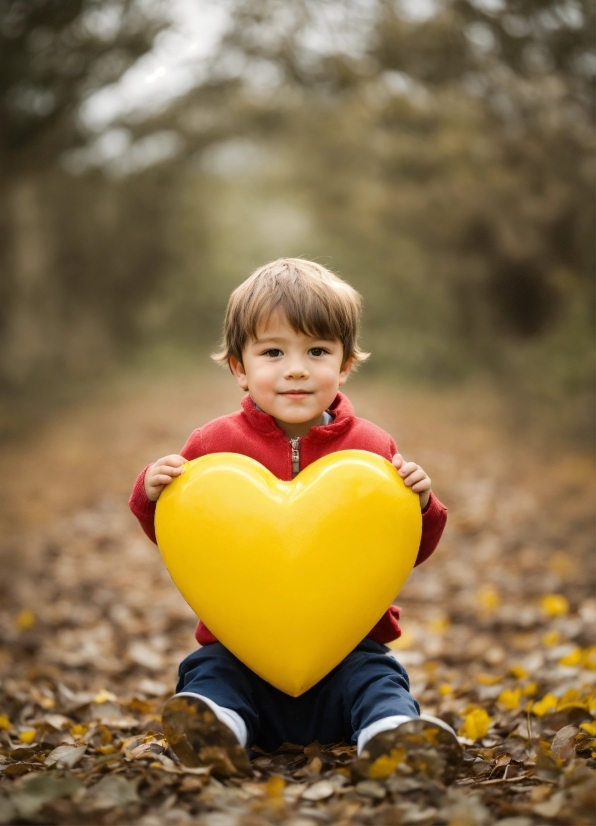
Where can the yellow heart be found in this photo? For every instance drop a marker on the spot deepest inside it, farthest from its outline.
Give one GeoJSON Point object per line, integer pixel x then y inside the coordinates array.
{"type": "Point", "coordinates": [290, 576]}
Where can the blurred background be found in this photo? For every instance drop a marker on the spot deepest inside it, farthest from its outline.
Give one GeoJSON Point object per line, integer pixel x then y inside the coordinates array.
{"type": "Point", "coordinates": [438, 154]}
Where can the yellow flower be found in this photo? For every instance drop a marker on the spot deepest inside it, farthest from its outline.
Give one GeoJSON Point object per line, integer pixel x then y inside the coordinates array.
{"type": "Point", "coordinates": [530, 690]}
{"type": "Point", "coordinates": [27, 736]}
{"type": "Point", "coordinates": [518, 671]}
{"type": "Point", "coordinates": [510, 699]}
{"type": "Point", "coordinates": [476, 724]}
{"type": "Point", "coordinates": [4, 721]}
{"type": "Point", "coordinates": [554, 605]}
{"type": "Point", "coordinates": [589, 659]}
{"type": "Point", "coordinates": [548, 703]}
{"type": "Point", "coordinates": [445, 689]}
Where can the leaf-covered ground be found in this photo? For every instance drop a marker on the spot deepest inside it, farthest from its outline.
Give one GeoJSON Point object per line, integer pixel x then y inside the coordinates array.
{"type": "Point", "coordinates": [498, 635]}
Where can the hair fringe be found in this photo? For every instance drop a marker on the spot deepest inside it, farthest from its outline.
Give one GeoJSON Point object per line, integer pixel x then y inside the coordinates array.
{"type": "Point", "coordinates": [314, 300]}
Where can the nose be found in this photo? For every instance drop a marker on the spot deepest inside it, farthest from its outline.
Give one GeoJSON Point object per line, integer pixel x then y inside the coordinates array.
{"type": "Point", "coordinates": [296, 369]}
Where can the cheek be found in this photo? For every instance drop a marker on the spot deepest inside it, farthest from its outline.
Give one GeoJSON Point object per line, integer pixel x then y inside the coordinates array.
{"type": "Point", "coordinates": [264, 376]}
{"type": "Point", "coordinates": [330, 376]}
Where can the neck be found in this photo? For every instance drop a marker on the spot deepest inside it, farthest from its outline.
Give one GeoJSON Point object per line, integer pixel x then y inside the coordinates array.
{"type": "Point", "coordinates": [294, 430]}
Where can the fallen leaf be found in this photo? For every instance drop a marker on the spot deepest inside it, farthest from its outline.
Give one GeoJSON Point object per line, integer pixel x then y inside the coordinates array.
{"type": "Point", "coordinates": [476, 725]}
{"type": "Point", "coordinates": [319, 791]}
{"type": "Point", "coordinates": [25, 619]}
{"type": "Point", "coordinates": [548, 703]}
{"type": "Point", "coordinates": [551, 807]}
{"type": "Point", "coordinates": [111, 791]}
{"type": "Point", "coordinates": [65, 757]}
{"type": "Point", "coordinates": [38, 789]}
{"type": "Point", "coordinates": [554, 605]}
{"type": "Point", "coordinates": [510, 699]}
{"type": "Point", "coordinates": [371, 788]}
{"type": "Point", "coordinates": [563, 744]}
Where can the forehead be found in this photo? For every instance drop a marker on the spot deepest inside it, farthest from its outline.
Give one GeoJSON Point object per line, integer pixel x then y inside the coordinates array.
{"type": "Point", "coordinates": [277, 327]}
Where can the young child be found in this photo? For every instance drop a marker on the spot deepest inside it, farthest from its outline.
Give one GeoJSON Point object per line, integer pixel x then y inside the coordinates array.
{"type": "Point", "coordinates": [290, 340]}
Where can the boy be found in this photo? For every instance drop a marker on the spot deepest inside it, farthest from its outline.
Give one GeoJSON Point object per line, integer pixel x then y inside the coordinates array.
{"type": "Point", "coordinates": [290, 340]}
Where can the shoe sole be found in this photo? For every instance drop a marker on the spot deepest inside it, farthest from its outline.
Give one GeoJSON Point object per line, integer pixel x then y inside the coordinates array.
{"type": "Point", "coordinates": [198, 738]}
{"type": "Point", "coordinates": [423, 746]}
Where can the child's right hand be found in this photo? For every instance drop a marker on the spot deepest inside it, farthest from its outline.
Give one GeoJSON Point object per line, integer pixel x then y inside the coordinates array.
{"type": "Point", "coordinates": [161, 473]}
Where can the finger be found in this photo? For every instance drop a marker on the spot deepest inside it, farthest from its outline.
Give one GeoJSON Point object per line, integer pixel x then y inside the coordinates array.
{"type": "Point", "coordinates": [422, 486]}
{"type": "Point", "coordinates": [168, 470]}
{"type": "Point", "coordinates": [408, 468]}
{"type": "Point", "coordinates": [173, 460]}
{"type": "Point", "coordinates": [160, 480]}
{"type": "Point", "coordinates": [397, 460]}
{"type": "Point", "coordinates": [416, 476]}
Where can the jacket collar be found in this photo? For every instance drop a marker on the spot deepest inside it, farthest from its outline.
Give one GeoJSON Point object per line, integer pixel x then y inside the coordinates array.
{"type": "Point", "coordinates": [341, 409]}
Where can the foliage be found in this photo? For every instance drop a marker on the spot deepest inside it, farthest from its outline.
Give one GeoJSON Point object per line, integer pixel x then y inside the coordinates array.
{"type": "Point", "coordinates": [442, 164]}
{"type": "Point", "coordinates": [448, 164]}
{"type": "Point", "coordinates": [52, 54]}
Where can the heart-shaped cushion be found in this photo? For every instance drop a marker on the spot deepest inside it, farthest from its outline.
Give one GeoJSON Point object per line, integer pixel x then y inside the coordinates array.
{"type": "Point", "coordinates": [289, 576]}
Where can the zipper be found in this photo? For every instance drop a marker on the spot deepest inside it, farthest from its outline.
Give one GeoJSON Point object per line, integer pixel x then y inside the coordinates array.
{"type": "Point", "coordinates": [295, 445]}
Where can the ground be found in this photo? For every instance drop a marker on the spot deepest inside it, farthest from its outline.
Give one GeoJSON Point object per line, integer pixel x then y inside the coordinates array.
{"type": "Point", "coordinates": [497, 626]}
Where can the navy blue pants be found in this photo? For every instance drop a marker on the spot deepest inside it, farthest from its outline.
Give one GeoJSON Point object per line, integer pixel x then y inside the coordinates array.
{"type": "Point", "coordinates": [367, 686]}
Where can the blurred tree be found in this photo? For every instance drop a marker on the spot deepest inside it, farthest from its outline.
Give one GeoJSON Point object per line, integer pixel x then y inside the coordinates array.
{"type": "Point", "coordinates": [442, 163]}
{"type": "Point", "coordinates": [449, 162]}
{"type": "Point", "coordinates": [53, 53]}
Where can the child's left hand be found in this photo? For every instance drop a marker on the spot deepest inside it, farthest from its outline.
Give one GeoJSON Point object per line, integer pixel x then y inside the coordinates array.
{"type": "Point", "coordinates": [414, 477]}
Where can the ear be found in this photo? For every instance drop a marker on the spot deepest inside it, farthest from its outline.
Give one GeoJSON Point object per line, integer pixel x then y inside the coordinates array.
{"type": "Point", "coordinates": [345, 371]}
{"type": "Point", "coordinates": [238, 371]}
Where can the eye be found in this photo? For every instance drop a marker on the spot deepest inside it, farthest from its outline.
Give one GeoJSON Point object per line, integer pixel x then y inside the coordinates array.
{"type": "Point", "coordinates": [318, 351]}
{"type": "Point", "coordinates": [273, 352]}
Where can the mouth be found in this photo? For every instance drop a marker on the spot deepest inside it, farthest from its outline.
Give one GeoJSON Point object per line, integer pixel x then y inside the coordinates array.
{"type": "Point", "coordinates": [296, 394]}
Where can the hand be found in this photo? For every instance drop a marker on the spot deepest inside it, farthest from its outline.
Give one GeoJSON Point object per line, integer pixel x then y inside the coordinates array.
{"type": "Point", "coordinates": [414, 477]}
{"type": "Point", "coordinates": [161, 473]}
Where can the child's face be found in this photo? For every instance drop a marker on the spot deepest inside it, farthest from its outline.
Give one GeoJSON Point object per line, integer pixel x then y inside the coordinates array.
{"type": "Point", "coordinates": [291, 376]}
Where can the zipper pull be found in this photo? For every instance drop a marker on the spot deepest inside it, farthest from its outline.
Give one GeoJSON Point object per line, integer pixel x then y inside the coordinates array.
{"type": "Point", "coordinates": [295, 445]}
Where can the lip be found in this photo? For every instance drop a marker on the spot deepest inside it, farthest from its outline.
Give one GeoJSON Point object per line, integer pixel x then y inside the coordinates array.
{"type": "Point", "coordinates": [296, 394]}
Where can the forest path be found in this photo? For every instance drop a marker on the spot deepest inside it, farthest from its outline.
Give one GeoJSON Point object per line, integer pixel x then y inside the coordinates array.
{"type": "Point", "coordinates": [498, 619]}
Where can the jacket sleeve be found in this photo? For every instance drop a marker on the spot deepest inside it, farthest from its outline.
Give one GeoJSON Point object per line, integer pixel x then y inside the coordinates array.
{"type": "Point", "coordinates": [434, 519]}
{"type": "Point", "coordinates": [142, 507]}
{"type": "Point", "coordinates": [140, 504]}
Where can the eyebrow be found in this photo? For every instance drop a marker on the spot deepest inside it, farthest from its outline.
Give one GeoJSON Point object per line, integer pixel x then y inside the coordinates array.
{"type": "Point", "coordinates": [282, 340]}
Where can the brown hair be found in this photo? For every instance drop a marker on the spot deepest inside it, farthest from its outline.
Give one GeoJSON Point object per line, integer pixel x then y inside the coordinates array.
{"type": "Point", "coordinates": [314, 300]}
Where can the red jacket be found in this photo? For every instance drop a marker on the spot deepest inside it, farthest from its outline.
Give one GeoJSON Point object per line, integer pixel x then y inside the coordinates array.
{"type": "Point", "coordinates": [254, 433]}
